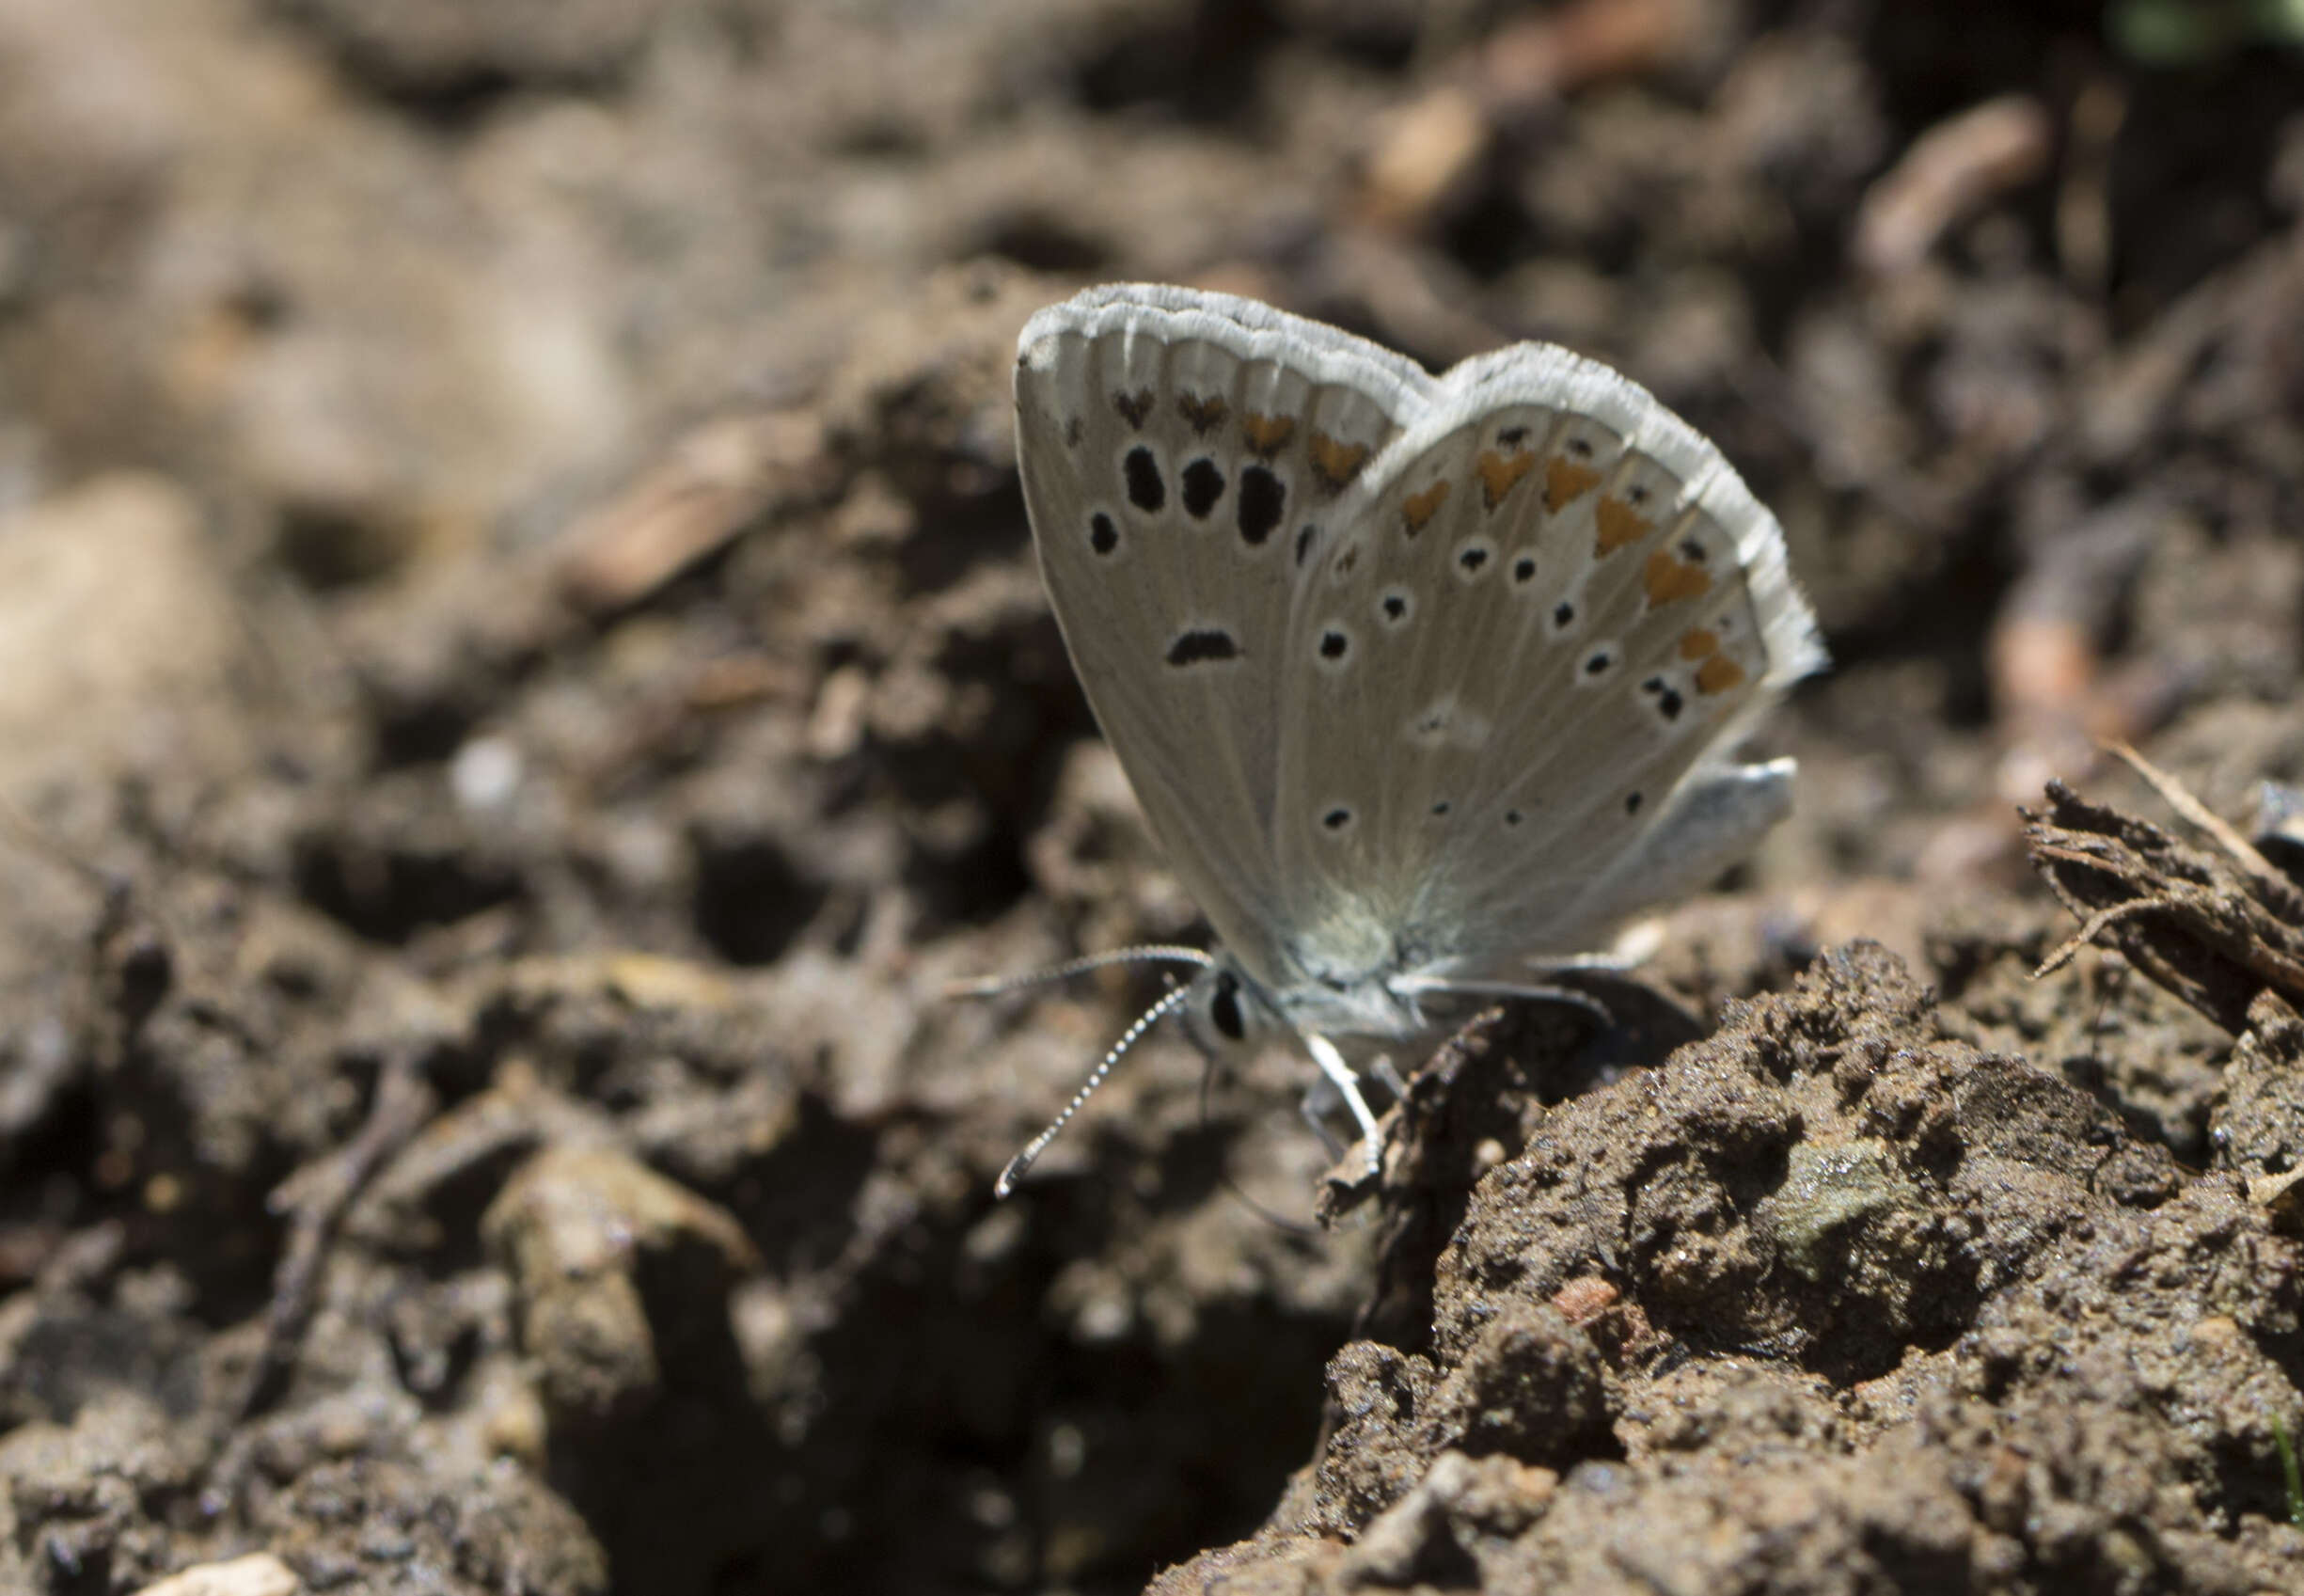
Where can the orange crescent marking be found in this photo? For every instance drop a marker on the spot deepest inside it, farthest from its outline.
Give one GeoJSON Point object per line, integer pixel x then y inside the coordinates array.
{"type": "Point", "coordinates": [1417, 508]}
{"type": "Point", "coordinates": [1337, 462]}
{"type": "Point", "coordinates": [1500, 472]}
{"type": "Point", "coordinates": [1619, 523]}
{"type": "Point", "coordinates": [1717, 674]}
{"type": "Point", "coordinates": [1564, 479]}
{"type": "Point", "coordinates": [1699, 642]}
{"type": "Point", "coordinates": [1669, 580]}
{"type": "Point", "coordinates": [1267, 435]}
{"type": "Point", "coordinates": [1205, 414]}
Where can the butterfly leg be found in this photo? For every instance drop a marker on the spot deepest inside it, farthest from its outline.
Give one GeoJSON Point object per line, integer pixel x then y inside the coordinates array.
{"type": "Point", "coordinates": [1333, 1065]}
{"type": "Point", "coordinates": [1319, 1097]}
{"type": "Point", "coordinates": [1385, 1070]}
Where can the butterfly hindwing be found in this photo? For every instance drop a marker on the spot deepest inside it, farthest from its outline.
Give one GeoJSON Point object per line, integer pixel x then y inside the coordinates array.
{"type": "Point", "coordinates": [1180, 453]}
{"type": "Point", "coordinates": [1553, 603]}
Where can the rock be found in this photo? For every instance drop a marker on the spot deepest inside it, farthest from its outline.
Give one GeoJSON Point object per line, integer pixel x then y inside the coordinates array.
{"type": "Point", "coordinates": [259, 1574]}
{"type": "Point", "coordinates": [116, 634]}
{"type": "Point", "coordinates": [579, 1228]}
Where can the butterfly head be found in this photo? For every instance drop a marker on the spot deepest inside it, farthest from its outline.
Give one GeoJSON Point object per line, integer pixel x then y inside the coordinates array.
{"type": "Point", "coordinates": [1231, 1010]}
{"type": "Point", "coordinates": [1227, 1011]}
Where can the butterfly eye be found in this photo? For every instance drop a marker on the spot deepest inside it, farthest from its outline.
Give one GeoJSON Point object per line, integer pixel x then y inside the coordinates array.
{"type": "Point", "coordinates": [1224, 1008]}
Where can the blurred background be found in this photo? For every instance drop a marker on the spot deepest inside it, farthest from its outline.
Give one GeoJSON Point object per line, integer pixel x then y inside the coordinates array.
{"type": "Point", "coordinates": [521, 673]}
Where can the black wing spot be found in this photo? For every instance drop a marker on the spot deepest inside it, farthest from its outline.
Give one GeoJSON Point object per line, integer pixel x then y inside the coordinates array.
{"type": "Point", "coordinates": [1202, 645]}
{"type": "Point", "coordinates": [1303, 541]}
{"type": "Point", "coordinates": [1523, 569]}
{"type": "Point", "coordinates": [1563, 615]}
{"type": "Point", "coordinates": [1512, 817]}
{"type": "Point", "coordinates": [1580, 447]}
{"type": "Point", "coordinates": [1262, 498]}
{"type": "Point", "coordinates": [1631, 803]}
{"type": "Point", "coordinates": [1600, 661]}
{"type": "Point", "coordinates": [1145, 490]}
{"type": "Point", "coordinates": [1225, 1008]}
{"type": "Point", "coordinates": [1335, 644]}
{"type": "Point", "coordinates": [1073, 432]}
{"type": "Point", "coordinates": [1472, 559]}
{"type": "Point", "coordinates": [1336, 818]}
{"type": "Point", "coordinates": [1670, 705]}
{"type": "Point", "coordinates": [1693, 551]}
{"type": "Point", "coordinates": [1204, 485]}
{"type": "Point", "coordinates": [1441, 809]}
{"type": "Point", "coordinates": [1512, 438]}
{"type": "Point", "coordinates": [1102, 535]}
{"type": "Point", "coordinates": [1395, 607]}
{"type": "Point", "coordinates": [1636, 494]}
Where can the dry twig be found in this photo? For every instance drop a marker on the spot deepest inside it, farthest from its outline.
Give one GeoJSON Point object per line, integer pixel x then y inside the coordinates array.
{"type": "Point", "coordinates": [2211, 932]}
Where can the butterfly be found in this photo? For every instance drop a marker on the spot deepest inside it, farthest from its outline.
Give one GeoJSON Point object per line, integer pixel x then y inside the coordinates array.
{"type": "Point", "coordinates": [1417, 679]}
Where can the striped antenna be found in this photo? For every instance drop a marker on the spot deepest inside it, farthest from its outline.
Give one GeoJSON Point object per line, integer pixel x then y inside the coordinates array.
{"type": "Point", "coordinates": [1039, 1145]}
{"type": "Point", "coordinates": [1440, 986]}
{"type": "Point", "coordinates": [1151, 953]}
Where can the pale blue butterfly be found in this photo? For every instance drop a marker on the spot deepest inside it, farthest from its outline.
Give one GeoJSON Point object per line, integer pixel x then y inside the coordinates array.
{"type": "Point", "coordinates": [1417, 679]}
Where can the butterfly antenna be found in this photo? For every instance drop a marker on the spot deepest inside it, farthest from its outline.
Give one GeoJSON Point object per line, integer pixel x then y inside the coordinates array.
{"type": "Point", "coordinates": [1039, 1145]}
{"type": "Point", "coordinates": [1524, 991]}
{"type": "Point", "coordinates": [1150, 952]}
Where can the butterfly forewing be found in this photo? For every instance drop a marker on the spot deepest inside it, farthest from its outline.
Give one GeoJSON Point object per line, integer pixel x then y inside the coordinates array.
{"type": "Point", "coordinates": [1182, 455]}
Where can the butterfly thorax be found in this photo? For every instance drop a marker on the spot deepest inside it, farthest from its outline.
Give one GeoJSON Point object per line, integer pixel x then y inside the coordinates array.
{"type": "Point", "coordinates": [1364, 1006]}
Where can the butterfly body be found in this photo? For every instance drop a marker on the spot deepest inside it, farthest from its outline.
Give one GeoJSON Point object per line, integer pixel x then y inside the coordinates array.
{"type": "Point", "coordinates": [1414, 677]}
